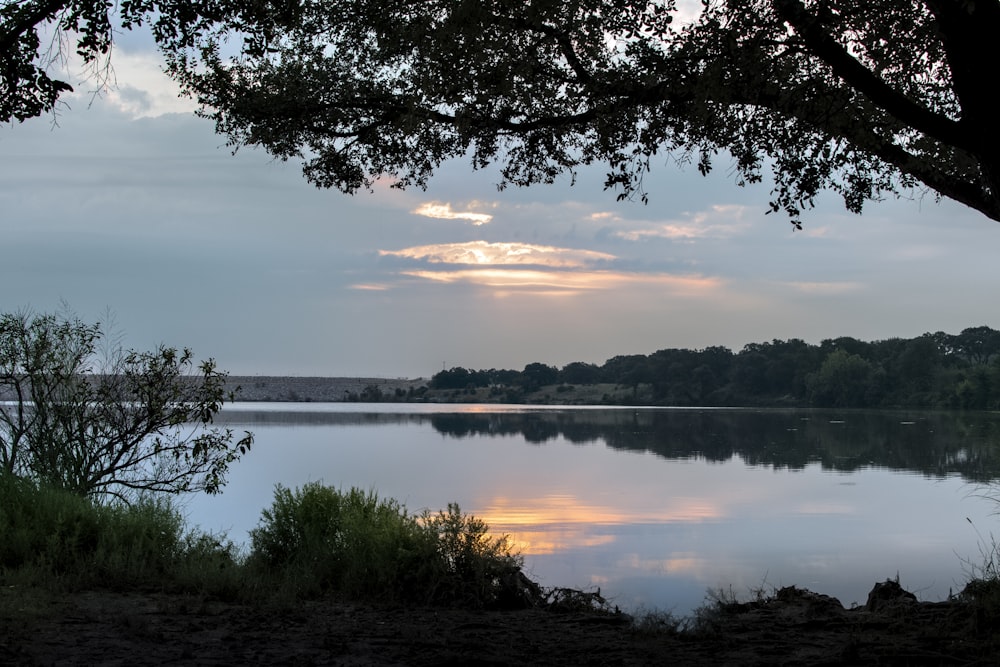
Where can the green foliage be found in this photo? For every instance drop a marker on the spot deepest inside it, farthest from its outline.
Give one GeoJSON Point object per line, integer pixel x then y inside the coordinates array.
{"type": "Point", "coordinates": [87, 416]}
{"type": "Point", "coordinates": [841, 382]}
{"type": "Point", "coordinates": [58, 534]}
{"type": "Point", "coordinates": [33, 34]}
{"type": "Point", "coordinates": [318, 539]}
{"type": "Point", "coordinates": [936, 370]}
{"type": "Point", "coordinates": [472, 566]}
{"type": "Point", "coordinates": [536, 375]}
{"type": "Point", "coordinates": [60, 541]}
{"type": "Point", "coordinates": [311, 542]}
{"type": "Point", "coordinates": [858, 98]}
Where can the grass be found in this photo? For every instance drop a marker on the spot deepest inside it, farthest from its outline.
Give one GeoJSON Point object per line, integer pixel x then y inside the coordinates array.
{"type": "Point", "coordinates": [56, 539]}
{"type": "Point", "coordinates": [983, 588]}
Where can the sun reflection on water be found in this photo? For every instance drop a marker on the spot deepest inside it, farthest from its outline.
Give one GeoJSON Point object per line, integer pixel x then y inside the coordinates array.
{"type": "Point", "coordinates": [559, 522]}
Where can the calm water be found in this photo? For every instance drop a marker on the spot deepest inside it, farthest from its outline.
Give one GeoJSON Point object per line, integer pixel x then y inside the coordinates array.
{"type": "Point", "coordinates": [656, 506]}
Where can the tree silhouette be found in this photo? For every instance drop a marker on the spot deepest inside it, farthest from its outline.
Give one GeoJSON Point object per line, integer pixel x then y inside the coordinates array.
{"type": "Point", "coordinates": [861, 98]}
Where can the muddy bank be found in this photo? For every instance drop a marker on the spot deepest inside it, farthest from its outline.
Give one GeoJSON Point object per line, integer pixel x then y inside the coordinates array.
{"type": "Point", "coordinates": [792, 627]}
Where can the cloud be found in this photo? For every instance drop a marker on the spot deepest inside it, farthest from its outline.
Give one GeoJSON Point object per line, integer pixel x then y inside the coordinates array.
{"type": "Point", "coordinates": [818, 232]}
{"type": "Point", "coordinates": [135, 85]}
{"type": "Point", "coordinates": [824, 288]}
{"type": "Point", "coordinates": [444, 211]}
{"type": "Point", "coordinates": [916, 252]}
{"type": "Point", "coordinates": [564, 283]}
{"type": "Point", "coordinates": [539, 270]}
{"type": "Point", "coordinates": [483, 253]}
{"type": "Point", "coordinates": [719, 221]}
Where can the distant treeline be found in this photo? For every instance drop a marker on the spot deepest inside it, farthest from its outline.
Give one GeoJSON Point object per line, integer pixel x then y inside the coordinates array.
{"type": "Point", "coordinates": [935, 370]}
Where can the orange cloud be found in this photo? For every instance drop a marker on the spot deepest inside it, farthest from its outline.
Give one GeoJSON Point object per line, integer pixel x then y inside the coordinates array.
{"type": "Point", "coordinates": [554, 271]}
{"type": "Point", "coordinates": [501, 254]}
{"type": "Point", "coordinates": [549, 539]}
{"type": "Point", "coordinates": [570, 281]}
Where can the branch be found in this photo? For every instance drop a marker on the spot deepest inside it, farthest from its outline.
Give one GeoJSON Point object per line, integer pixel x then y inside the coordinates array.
{"type": "Point", "coordinates": [26, 19]}
{"type": "Point", "coordinates": [565, 47]}
{"type": "Point", "coordinates": [859, 77]}
{"type": "Point", "coordinates": [860, 134]}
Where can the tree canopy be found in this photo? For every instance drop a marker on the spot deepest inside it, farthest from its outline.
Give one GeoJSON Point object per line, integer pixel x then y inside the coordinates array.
{"type": "Point", "coordinates": [864, 98]}
{"type": "Point", "coordinates": [934, 370]}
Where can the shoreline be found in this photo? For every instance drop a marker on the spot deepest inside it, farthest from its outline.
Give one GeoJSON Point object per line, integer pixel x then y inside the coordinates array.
{"type": "Point", "coordinates": [792, 626]}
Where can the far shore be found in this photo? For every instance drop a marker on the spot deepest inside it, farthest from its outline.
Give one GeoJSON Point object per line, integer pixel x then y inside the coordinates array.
{"type": "Point", "coordinates": [297, 389]}
{"type": "Point", "coordinates": [316, 389]}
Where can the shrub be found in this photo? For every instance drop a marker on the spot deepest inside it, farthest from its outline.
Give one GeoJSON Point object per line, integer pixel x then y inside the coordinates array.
{"type": "Point", "coordinates": [45, 528]}
{"type": "Point", "coordinates": [312, 541]}
{"type": "Point", "coordinates": [318, 539]}
{"type": "Point", "coordinates": [476, 567]}
{"type": "Point", "coordinates": [51, 536]}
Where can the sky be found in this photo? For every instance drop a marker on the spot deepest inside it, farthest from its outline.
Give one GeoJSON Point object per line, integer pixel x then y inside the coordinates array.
{"type": "Point", "coordinates": [127, 203]}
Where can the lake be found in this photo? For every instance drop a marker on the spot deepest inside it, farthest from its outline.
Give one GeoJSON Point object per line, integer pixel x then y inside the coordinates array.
{"type": "Point", "coordinates": [655, 506]}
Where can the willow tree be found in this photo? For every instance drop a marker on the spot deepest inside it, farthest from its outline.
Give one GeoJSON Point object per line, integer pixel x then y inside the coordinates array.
{"type": "Point", "coordinates": [864, 98]}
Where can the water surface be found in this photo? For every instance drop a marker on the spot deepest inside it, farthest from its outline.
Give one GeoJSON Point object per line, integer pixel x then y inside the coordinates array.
{"type": "Point", "coordinates": [656, 506]}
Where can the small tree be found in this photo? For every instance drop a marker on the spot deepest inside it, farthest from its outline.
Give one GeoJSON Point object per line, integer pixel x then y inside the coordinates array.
{"type": "Point", "coordinates": [113, 423]}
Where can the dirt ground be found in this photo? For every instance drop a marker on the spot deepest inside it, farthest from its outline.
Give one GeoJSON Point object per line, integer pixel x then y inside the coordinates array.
{"type": "Point", "coordinates": [795, 627]}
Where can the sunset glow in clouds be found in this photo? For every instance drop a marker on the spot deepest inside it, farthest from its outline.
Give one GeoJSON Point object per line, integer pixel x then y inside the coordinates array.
{"type": "Point", "coordinates": [443, 211]}
{"type": "Point", "coordinates": [569, 281]}
{"type": "Point", "coordinates": [502, 254]}
{"type": "Point", "coordinates": [557, 271]}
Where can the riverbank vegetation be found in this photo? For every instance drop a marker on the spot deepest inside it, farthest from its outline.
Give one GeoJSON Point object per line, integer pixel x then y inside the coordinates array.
{"type": "Point", "coordinates": [935, 370]}
{"type": "Point", "coordinates": [312, 542]}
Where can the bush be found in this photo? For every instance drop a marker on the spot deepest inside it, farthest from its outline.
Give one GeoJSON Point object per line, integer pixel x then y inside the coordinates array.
{"type": "Point", "coordinates": [55, 537]}
{"type": "Point", "coordinates": [311, 542]}
{"type": "Point", "coordinates": [318, 539]}
{"type": "Point", "coordinates": [45, 528]}
{"type": "Point", "coordinates": [473, 567]}
{"type": "Point", "coordinates": [57, 533]}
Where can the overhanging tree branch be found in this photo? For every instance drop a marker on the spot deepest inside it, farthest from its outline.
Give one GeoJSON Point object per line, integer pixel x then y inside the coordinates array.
{"type": "Point", "coordinates": [863, 80]}
{"type": "Point", "coordinates": [860, 98]}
